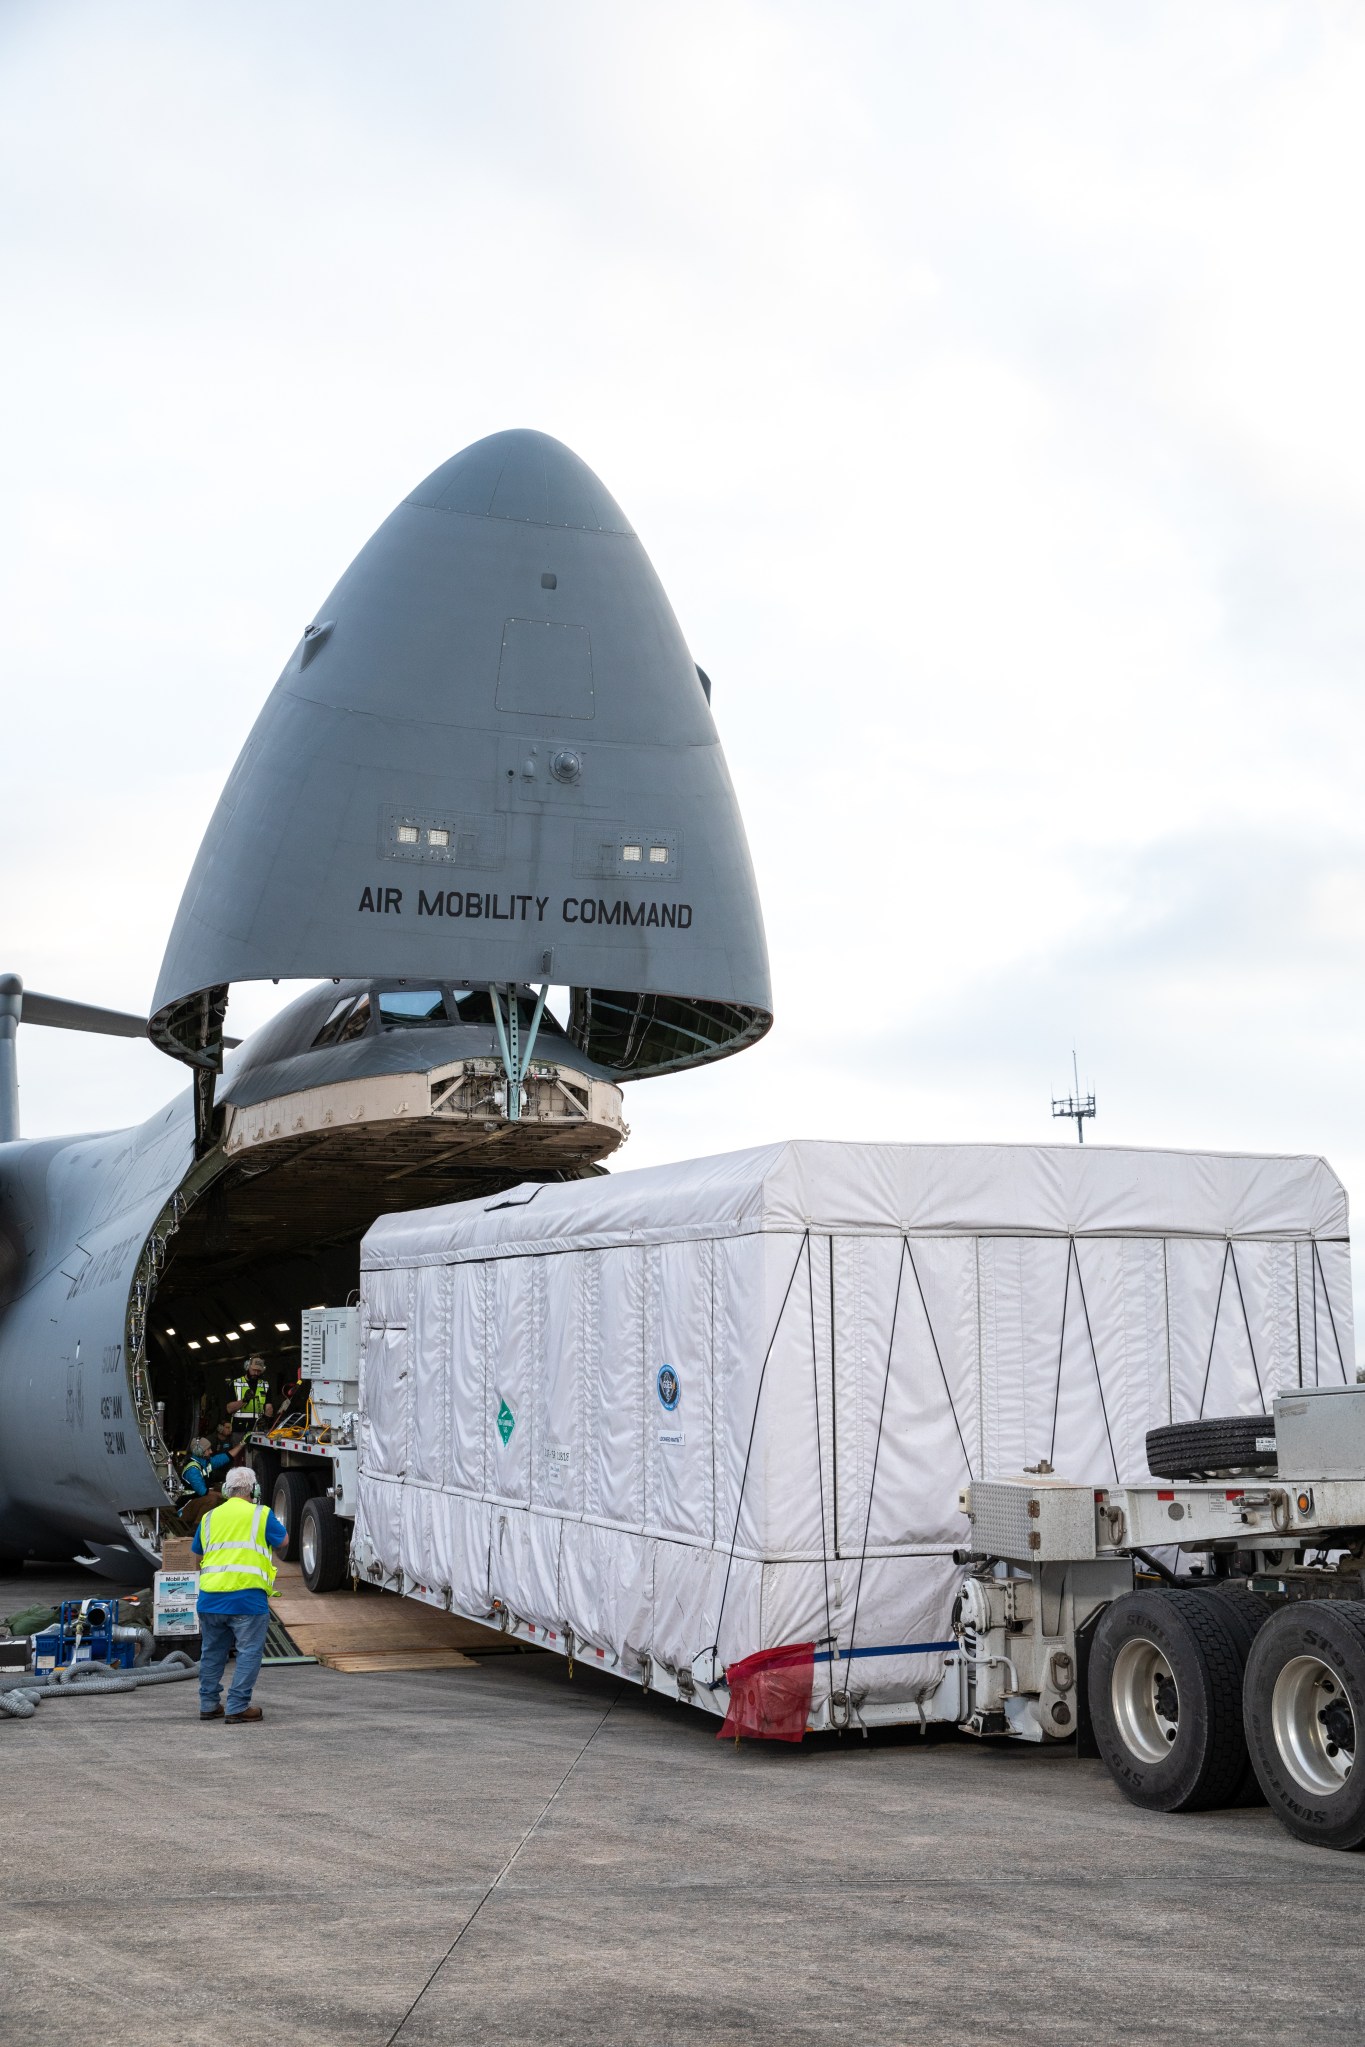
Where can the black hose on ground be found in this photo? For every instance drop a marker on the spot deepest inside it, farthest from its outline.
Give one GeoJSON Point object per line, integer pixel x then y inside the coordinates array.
{"type": "Point", "coordinates": [20, 1701]}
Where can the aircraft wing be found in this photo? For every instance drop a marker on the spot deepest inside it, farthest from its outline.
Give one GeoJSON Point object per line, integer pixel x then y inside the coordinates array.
{"type": "Point", "coordinates": [59, 1014]}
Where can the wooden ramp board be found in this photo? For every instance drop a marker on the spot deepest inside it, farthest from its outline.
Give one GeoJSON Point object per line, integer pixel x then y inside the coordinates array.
{"type": "Point", "coordinates": [378, 1628]}
{"type": "Point", "coordinates": [399, 1659]}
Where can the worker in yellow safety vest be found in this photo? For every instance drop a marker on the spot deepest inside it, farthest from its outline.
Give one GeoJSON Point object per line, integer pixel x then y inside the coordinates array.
{"type": "Point", "coordinates": [236, 1578]}
{"type": "Point", "coordinates": [251, 1404]}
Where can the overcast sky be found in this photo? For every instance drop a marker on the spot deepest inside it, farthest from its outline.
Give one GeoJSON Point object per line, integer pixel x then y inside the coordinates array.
{"type": "Point", "coordinates": [984, 381]}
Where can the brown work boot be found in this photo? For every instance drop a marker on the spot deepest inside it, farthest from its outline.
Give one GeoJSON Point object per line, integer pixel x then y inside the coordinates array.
{"type": "Point", "coordinates": [247, 1713]}
{"type": "Point", "coordinates": [213, 1713]}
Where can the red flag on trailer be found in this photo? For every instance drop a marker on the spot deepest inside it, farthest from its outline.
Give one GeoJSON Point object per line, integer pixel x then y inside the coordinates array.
{"type": "Point", "coordinates": [770, 1693]}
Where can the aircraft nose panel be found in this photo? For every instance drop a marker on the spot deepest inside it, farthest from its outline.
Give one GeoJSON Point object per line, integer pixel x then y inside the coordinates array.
{"type": "Point", "coordinates": [523, 476]}
{"type": "Point", "coordinates": [490, 759]}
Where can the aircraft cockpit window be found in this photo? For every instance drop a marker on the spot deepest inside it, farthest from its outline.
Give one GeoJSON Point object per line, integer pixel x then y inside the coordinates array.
{"type": "Point", "coordinates": [406, 1007]}
{"type": "Point", "coordinates": [357, 1023]}
{"type": "Point", "coordinates": [472, 1005]}
{"type": "Point", "coordinates": [350, 1019]}
{"type": "Point", "coordinates": [475, 1006]}
{"type": "Point", "coordinates": [328, 1031]}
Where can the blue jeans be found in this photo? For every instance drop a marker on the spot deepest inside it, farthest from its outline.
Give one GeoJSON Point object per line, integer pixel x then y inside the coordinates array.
{"type": "Point", "coordinates": [219, 1631]}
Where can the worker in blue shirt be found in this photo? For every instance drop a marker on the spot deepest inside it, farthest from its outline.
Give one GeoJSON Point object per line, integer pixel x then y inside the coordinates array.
{"type": "Point", "coordinates": [204, 1467]}
{"type": "Point", "coordinates": [202, 1477]}
{"type": "Point", "coordinates": [235, 1541]}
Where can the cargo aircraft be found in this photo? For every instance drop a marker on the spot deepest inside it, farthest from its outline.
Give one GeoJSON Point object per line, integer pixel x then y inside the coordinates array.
{"type": "Point", "coordinates": [488, 768]}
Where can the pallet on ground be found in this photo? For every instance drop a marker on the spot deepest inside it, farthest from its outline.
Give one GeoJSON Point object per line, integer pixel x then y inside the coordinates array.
{"type": "Point", "coordinates": [361, 1660]}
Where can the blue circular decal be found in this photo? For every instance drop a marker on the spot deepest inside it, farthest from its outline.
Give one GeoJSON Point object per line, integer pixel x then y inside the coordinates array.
{"type": "Point", "coordinates": [669, 1389]}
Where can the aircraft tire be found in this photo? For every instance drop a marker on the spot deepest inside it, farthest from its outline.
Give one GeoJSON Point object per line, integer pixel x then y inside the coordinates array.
{"type": "Point", "coordinates": [1165, 1690]}
{"type": "Point", "coordinates": [1304, 1701]}
{"type": "Point", "coordinates": [324, 1545]}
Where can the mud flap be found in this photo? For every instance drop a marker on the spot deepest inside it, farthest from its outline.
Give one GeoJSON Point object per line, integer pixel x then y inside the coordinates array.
{"type": "Point", "coordinates": [1086, 1744]}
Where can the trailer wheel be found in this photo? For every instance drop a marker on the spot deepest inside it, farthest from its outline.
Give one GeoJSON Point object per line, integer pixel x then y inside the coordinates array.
{"type": "Point", "coordinates": [1247, 1613]}
{"type": "Point", "coordinates": [1165, 1687]}
{"type": "Point", "coordinates": [1304, 1701]}
{"type": "Point", "coordinates": [1211, 1449]}
{"type": "Point", "coordinates": [291, 1493]}
{"type": "Point", "coordinates": [324, 1545]}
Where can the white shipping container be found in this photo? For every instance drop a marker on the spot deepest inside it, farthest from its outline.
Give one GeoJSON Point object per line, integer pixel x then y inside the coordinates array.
{"type": "Point", "coordinates": [668, 1418]}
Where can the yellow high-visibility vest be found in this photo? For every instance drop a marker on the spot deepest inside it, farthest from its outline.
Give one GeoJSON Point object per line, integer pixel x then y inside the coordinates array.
{"type": "Point", "coordinates": [237, 1557]}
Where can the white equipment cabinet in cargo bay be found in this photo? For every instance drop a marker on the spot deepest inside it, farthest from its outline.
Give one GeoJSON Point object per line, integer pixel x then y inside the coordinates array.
{"type": "Point", "coordinates": [307, 1471]}
{"type": "Point", "coordinates": [664, 1419]}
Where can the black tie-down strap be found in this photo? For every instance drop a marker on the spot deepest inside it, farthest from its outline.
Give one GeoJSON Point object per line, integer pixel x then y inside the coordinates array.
{"type": "Point", "coordinates": [1230, 1258]}
{"type": "Point", "coordinates": [907, 1256]}
{"type": "Point", "coordinates": [1073, 1257]}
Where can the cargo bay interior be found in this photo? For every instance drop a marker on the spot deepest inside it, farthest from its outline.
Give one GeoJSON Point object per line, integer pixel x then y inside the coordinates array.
{"type": "Point", "coordinates": [261, 1236]}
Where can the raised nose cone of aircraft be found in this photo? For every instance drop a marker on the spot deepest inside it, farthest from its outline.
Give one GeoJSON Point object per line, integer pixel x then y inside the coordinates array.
{"type": "Point", "coordinates": [490, 759]}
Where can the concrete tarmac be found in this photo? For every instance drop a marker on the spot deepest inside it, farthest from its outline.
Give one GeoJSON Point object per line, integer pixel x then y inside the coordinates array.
{"type": "Point", "coordinates": [501, 1855]}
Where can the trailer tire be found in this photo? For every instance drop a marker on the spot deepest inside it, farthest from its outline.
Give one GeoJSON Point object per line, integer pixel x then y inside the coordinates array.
{"type": "Point", "coordinates": [1306, 1662]}
{"type": "Point", "coordinates": [1247, 1612]}
{"type": "Point", "coordinates": [1165, 1688]}
{"type": "Point", "coordinates": [266, 1465]}
{"type": "Point", "coordinates": [290, 1494]}
{"type": "Point", "coordinates": [324, 1545]}
{"type": "Point", "coordinates": [1211, 1449]}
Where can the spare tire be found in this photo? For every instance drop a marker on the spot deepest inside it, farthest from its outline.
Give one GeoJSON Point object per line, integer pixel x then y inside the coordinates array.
{"type": "Point", "coordinates": [1214, 1448]}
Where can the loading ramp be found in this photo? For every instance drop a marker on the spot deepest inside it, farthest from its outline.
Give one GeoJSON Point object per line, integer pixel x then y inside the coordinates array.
{"type": "Point", "coordinates": [365, 1629]}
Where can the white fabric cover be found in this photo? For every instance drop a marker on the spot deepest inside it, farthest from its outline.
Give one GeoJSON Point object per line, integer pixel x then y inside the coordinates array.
{"type": "Point", "coordinates": [915, 1314]}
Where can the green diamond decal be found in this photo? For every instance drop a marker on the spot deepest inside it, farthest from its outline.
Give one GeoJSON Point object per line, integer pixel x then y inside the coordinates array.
{"type": "Point", "coordinates": [507, 1421]}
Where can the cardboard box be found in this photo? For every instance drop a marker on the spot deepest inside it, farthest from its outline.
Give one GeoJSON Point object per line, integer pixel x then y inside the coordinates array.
{"type": "Point", "coordinates": [176, 1595]}
{"type": "Point", "coordinates": [177, 1553]}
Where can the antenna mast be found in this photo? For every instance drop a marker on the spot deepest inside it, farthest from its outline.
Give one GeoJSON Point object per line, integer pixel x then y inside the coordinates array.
{"type": "Point", "coordinates": [1077, 1107]}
